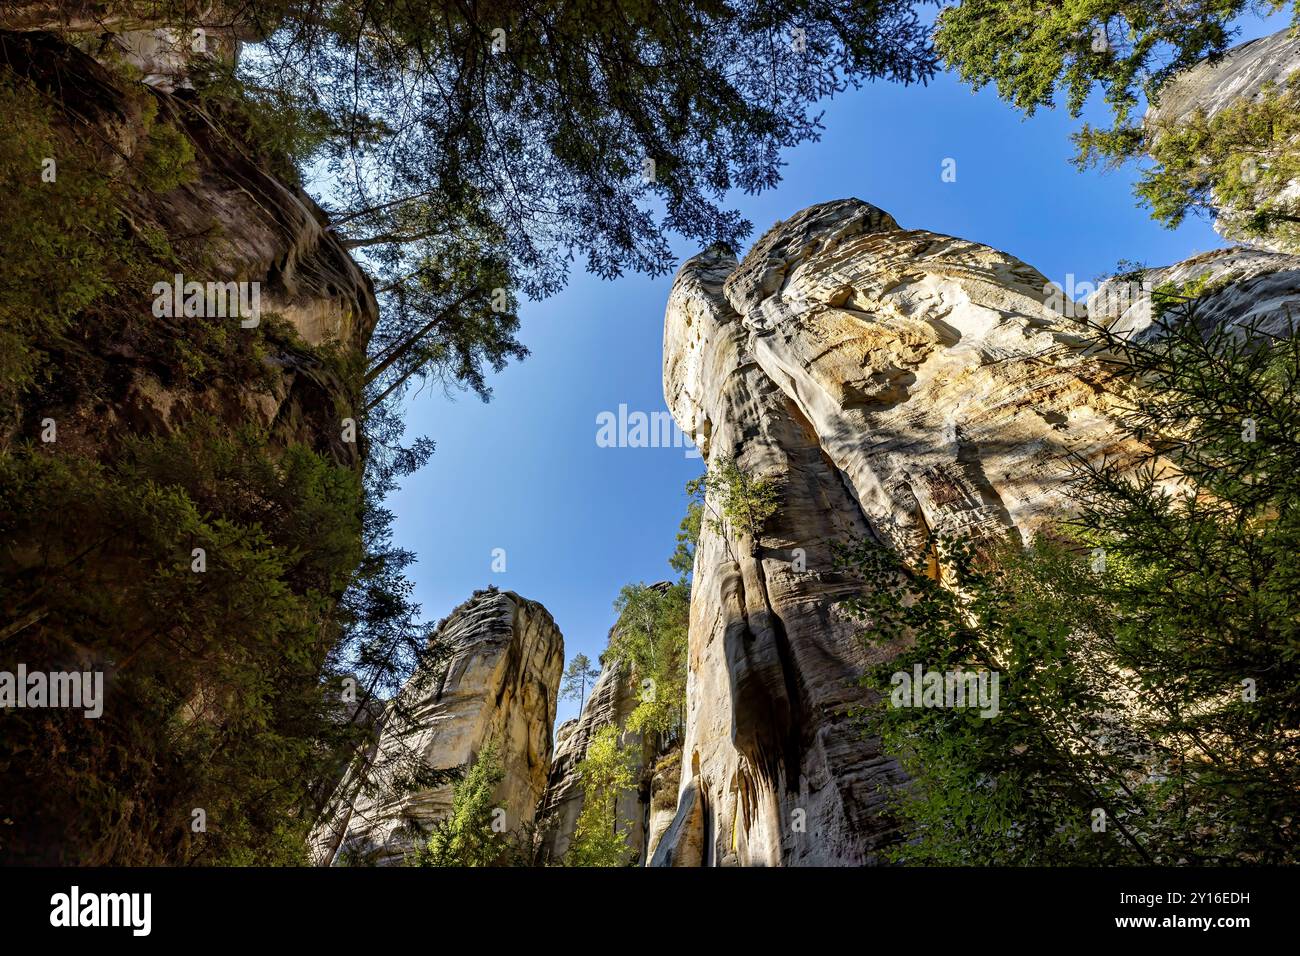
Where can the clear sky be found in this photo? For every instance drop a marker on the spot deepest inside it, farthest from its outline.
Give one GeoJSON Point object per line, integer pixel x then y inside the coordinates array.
{"type": "Point", "coordinates": [576, 521]}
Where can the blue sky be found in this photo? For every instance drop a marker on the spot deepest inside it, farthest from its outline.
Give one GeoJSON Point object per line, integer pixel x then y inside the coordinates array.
{"type": "Point", "coordinates": [576, 521]}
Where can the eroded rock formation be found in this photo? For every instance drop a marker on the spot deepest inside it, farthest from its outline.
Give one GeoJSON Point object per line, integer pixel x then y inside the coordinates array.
{"type": "Point", "coordinates": [643, 810]}
{"type": "Point", "coordinates": [612, 699]}
{"type": "Point", "coordinates": [897, 384]}
{"type": "Point", "coordinates": [245, 225]}
{"type": "Point", "coordinates": [1239, 75]}
{"type": "Point", "coordinates": [1252, 290]}
{"type": "Point", "coordinates": [162, 42]}
{"type": "Point", "coordinates": [136, 180]}
{"type": "Point", "coordinates": [499, 685]}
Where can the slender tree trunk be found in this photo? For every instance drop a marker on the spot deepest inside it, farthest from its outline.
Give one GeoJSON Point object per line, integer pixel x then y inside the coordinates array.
{"type": "Point", "coordinates": [384, 237]}
{"type": "Point", "coordinates": [404, 346]}
{"type": "Point", "coordinates": [340, 220]}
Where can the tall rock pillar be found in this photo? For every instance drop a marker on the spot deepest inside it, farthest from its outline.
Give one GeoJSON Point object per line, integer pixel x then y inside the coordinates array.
{"type": "Point", "coordinates": [894, 383]}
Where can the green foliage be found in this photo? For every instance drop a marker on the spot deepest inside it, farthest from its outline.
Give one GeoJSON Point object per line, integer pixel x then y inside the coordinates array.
{"type": "Point", "coordinates": [599, 838]}
{"type": "Point", "coordinates": [84, 251]}
{"type": "Point", "coordinates": [60, 244]}
{"type": "Point", "coordinates": [225, 686]}
{"type": "Point", "coordinates": [241, 690]}
{"type": "Point", "coordinates": [214, 698]}
{"type": "Point", "coordinates": [1238, 162]}
{"type": "Point", "coordinates": [590, 89]}
{"type": "Point", "coordinates": [167, 159]}
{"type": "Point", "coordinates": [470, 836]}
{"type": "Point", "coordinates": [281, 128]}
{"type": "Point", "coordinates": [1171, 299]}
{"type": "Point", "coordinates": [1013, 789]}
{"type": "Point", "coordinates": [688, 537]}
{"type": "Point", "coordinates": [1147, 652]}
{"type": "Point", "coordinates": [455, 300]}
{"type": "Point", "coordinates": [649, 645]}
{"type": "Point", "coordinates": [1241, 160]}
{"type": "Point", "coordinates": [650, 640]}
{"type": "Point", "coordinates": [736, 504]}
{"type": "Point", "coordinates": [532, 152]}
{"type": "Point", "coordinates": [1131, 49]}
{"type": "Point", "coordinates": [577, 676]}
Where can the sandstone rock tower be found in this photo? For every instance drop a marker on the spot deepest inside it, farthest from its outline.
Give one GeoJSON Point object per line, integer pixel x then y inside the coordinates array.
{"type": "Point", "coordinates": [897, 384]}
{"type": "Point", "coordinates": [500, 684]}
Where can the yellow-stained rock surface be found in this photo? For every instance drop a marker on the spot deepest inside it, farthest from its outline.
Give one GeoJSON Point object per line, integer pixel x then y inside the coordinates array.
{"type": "Point", "coordinates": [895, 383]}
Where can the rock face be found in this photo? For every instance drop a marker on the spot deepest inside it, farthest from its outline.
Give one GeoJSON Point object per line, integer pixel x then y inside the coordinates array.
{"type": "Point", "coordinates": [896, 384]}
{"type": "Point", "coordinates": [681, 843]}
{"type": "Point", "coordinates": [1240, 288]}
{"type": "Point", "coordinates": [613, 698]}
{"type": "Point", "coordinates": [500, 684]}
{"type": "Point", "coordinates": [1242, 73]}
{"type": "Point", "coordinates": [664, 784]}
{"type": "Point", "coordinates": [185, 188]}
{"type": "Point", "coordinates": [254, 228]}
{"type": "Point", "coordinates": [163, 51]}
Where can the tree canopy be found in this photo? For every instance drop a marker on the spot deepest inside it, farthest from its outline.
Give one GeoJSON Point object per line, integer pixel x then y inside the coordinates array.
{"type": "Point", "coordinates": [1237, 164]}
{"type": "Point", "coordinates": [600, 837]}
{"type": "Point", "coordinates": [474, 152]}
{"type": "Point", "coordinates": [1129, 51]}
{"type": "Point", "coordinates": [473, 833]}
{"type": "Point", "coordinates": [650, 639]}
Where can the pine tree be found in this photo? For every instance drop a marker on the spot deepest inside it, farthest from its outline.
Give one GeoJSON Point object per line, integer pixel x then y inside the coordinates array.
{"type": "Point", "coordinates": [473, 833]}
{"type": "Point", "coordinates": [1149, 680]}
{"type": "Point", "coordinates": [577, 676]}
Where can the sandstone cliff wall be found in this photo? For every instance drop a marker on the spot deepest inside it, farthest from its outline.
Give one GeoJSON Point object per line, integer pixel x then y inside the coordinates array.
{"type": "Point", "coordinates": [1254, 291]}
{"type": "Point", "coordinates": [641, 808]}
{"type": "Point", "coordinates": [118, 177]}
{"type": "Point", "coordinates": [612, 699]}
{"type": "Point", "coordinates": [500, 685]}
{"type": "Point", "coordinates": [233, 221]}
